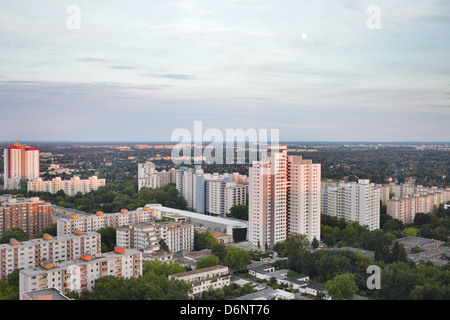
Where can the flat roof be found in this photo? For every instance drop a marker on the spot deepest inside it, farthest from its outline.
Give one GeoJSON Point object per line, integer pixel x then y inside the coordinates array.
{"type": "Point", "coordinates": [197, 271]}
{"type": "Point", "coordinates": [200, 216]}
{"type": "Point", "coordinates": [104, 256]}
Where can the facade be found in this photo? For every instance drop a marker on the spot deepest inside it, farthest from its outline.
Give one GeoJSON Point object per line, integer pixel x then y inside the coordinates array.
{"type": "Point", "coordinates": [405, 208]}
{"type": "Point", "coordinates": [358, 202]}
{"type": "Point", "coordinates": [21, 162]}
{"type": "Point", "coordinates": [203, 279]}
{"type": "Point", "coordinates": [70, 187]}
{"type": "Point", "coordinates": [32, 215]}
{"type": "Point", "coordinates": [150, 178]}
{"type": "Point", "coordinates": [284, 198]}
{"type": "Point", "coordinates": [303, 202]}
{"type": "Point", "coordinates": [32, 253]}
{"type": "Point", "coordinates": [102, 220]}
{"type": "Point", "coordinates": [145, 236]}
{"type": "Point", "coordinates": [212, 194]}
{"type": "Point", "coordinates": [78, 275]}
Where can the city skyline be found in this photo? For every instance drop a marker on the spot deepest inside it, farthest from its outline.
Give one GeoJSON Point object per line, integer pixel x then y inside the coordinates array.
{"type": "Point", "coordinates": [139, 71]}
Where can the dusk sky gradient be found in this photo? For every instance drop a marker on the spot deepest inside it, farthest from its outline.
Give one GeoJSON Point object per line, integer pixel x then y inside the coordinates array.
{"type": "Point", "coordinates": [137, 70]}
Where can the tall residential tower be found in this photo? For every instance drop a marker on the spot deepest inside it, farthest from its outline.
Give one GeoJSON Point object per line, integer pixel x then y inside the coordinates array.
{"type": "Point", "coordinates": [21, 163]}
{"type": "Point", "coordinates": [284, 198]}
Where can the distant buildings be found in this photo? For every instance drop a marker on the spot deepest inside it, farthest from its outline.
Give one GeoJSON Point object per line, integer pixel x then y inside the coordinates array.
{"type": "Point", "coordinates": [213, 194]}
{"type": "Point", "coordinates": [21, 162]}
{"type": "Point", "coordinates": [284, 198]}
{"type": "Point", "coordinates": [407, 199]}
{"type": "Point", "coordinates": [32, 215]}
{"type": "Point", "coordinates": [150, 178]}
{"type": "Point", "coordinates": [359, 202]}
{"type": "Point", "coordinates": [70, 187]}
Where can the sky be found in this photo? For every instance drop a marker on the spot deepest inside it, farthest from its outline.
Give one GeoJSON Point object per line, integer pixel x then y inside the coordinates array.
{"type": "Point", "coordinates": [137, 70]}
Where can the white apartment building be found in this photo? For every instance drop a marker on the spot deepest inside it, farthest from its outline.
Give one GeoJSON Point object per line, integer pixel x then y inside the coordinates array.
{"type": "Point", "coordinates": [78, 275]}
{"type": "Point", "coordinates": [202, 279]}
{"type": "Point", "coordinates": [102, 220]}
{"type": "Point", "coordinates": [21, 162]}
{"type": "Point", "coordinates": [142, 236]}
{"type": "Point", "coordinates": [303, 202]}
{"type": "Point", "coordinates": [149, 177]}
{"type": "Point", "coordinates": [212, 194]}
{"type": "Point", "coordinates": [284, 198]}
{"type": "Point", "coordinates": [70, 187]}
{"type": "Point", "coordinates": [221, 195]}
{"type": "Point", "coordinates": [359, 202]}
{"type": "Point", "coordinates": [32, 253]}
{"type": "Point", "coordinates": [145, 236]}
{"type": "Point", "coordinates": [178, 236]}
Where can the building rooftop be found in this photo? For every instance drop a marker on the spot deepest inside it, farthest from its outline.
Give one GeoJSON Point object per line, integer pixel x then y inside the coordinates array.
{"type": "Point", "coordinates": [417, 242]}
{"type": "Point", "coordinates": [198, 271]}
{"type": "Point", "coordinates": [46, 294]}
{"type": "Point", "coordinates": [63, 265]}
{"type": "Point", "coordinates": [34, 242]}
{"type": "Point", "coordinates": [267, 294]}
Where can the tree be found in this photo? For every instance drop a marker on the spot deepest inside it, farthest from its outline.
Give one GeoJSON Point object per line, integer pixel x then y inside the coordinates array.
{"type": "Point", "coordinates": [237, 258]}
{"type": "Point", "coordinates": [421, 218]}
{"type": "Point", "coordinates": [294, 248]}
{"type": "Point", "coordinates": [208, 261]}
{"type": "Point", "coordinates": [341, 287]}
{"type": "Point", "coordinates": [399, 253]}
{"type": "Point", "coordinates": [239, 212]}
{"type": "Point", "coordinates": [219, 250]}
{"type": "Point", "coordinates": [315, 243]}
{"type": "Point", "coordinates": [108, 236]}
{"type": "Point", "coordinates": [15, 233]}
{"type": "Point", "coordinates": [203, 240]}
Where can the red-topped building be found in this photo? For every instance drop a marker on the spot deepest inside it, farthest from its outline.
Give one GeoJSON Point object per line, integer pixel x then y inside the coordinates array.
{"type": "Point", "coordinates": [21, 163]}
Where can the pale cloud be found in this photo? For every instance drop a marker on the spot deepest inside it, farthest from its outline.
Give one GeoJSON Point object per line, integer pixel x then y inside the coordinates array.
{"type": "Point", "coordinates": [231, 63]}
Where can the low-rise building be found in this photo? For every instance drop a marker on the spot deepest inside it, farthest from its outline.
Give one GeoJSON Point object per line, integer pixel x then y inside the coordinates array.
{"type": "Point", "coordinates": [268, 294]}
{"type": "Point", "coordinates": [203, 279]}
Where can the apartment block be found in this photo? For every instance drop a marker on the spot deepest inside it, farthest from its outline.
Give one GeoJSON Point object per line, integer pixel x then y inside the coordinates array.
{"type": "Point", "coordinates": [303, 197]}
{"type": "Point", "coordinates": [102, 220]}
{"type": "Point", "coordinates": [80, 274]}
{"type": "Point", "coordinates": [146, 236]}
{"type": "Point", "coordinates": [21, 162]}
{"type": "Point", "coordinates": [284, 198]}
{"type": "Point", "coordinates": [358, 202]}
{"type": "Point", "coordinates": [213, 194]}
{"type": "Point", "coordinates": [32, 215]}
{"type": "Point", "coordinates": [32, 253]}
{"type": "Point", "coordinates": [202, 279]}
{"type": "Point", "coordinates": [177, 236]}
{"type": "Point", "coordinates": [149, 177]}
{"type": "Point", "coordinates": [405, 208]}
{"type": "Point", "coordinates": [70, 187]}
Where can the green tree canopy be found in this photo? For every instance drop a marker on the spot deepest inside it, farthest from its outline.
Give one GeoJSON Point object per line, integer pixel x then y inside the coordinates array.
{"type": "Point", "coordinates": [341, 287]}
